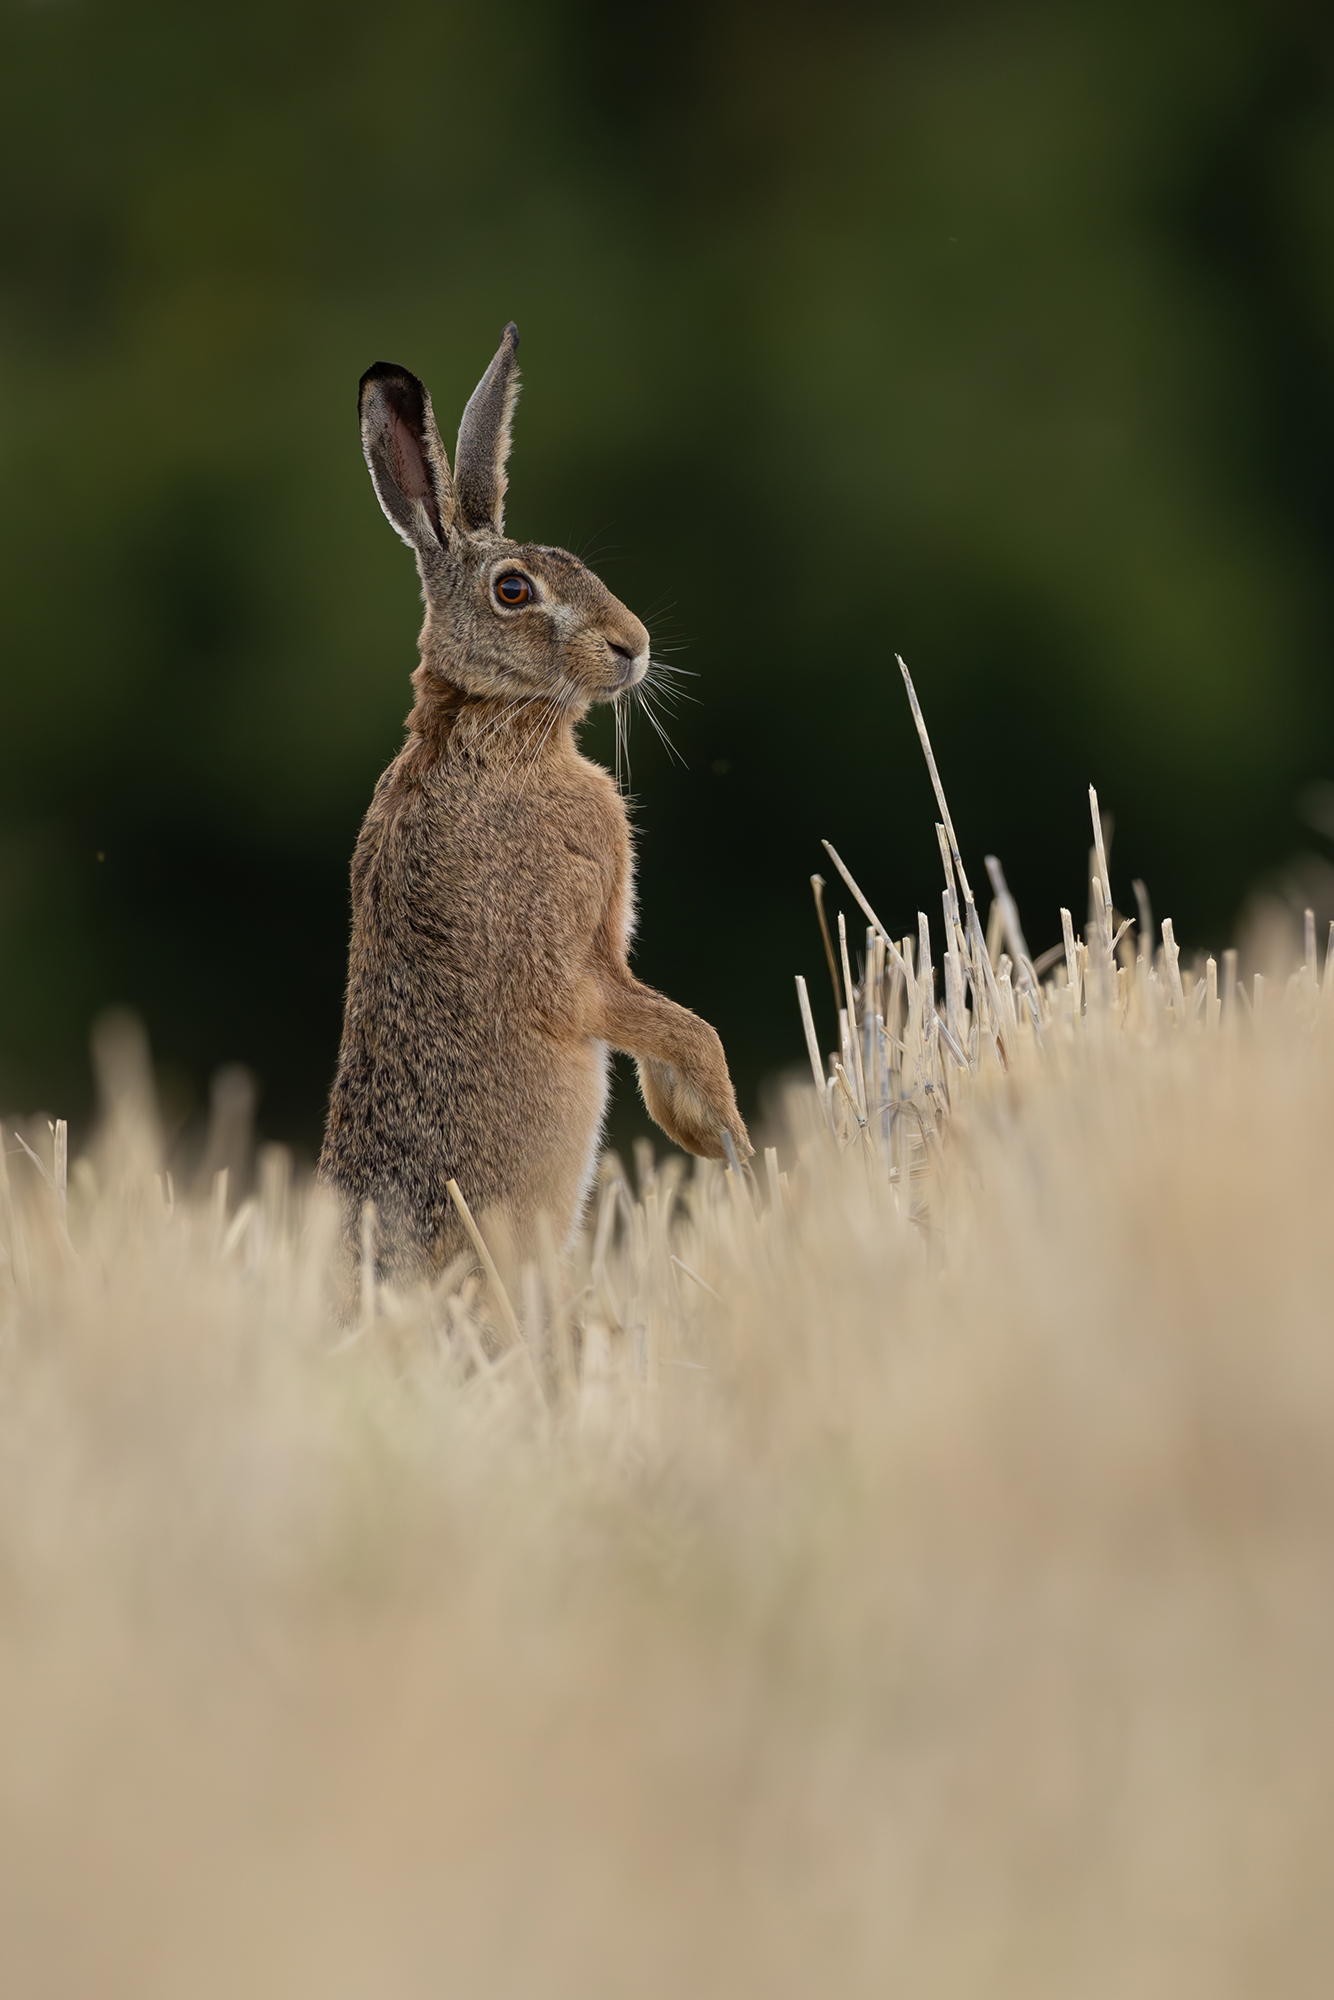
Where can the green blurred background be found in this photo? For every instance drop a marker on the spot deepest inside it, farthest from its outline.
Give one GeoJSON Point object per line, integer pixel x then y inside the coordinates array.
{"type": "Point", "coordinates": [1000, 335]}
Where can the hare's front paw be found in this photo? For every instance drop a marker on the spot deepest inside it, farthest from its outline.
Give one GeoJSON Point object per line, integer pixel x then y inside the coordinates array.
{"type": "Point", "coordinates": [694, 1111]}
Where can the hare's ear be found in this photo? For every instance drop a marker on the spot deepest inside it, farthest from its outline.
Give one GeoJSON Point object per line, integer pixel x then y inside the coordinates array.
{"type": "Point", "coordinates": [407, 461]}
{"type": "Point", "coordinates": [484, 439]}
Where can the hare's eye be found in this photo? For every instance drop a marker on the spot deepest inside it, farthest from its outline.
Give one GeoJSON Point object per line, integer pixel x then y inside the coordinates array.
{"type": "Point", "coordinates": [512, 590]}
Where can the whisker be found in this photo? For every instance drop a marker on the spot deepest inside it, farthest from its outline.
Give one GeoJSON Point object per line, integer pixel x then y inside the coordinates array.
{"type": "Point", "coordinates": [494, 722]}
{"type": "Point", "coordinates": [521, 752]}
{"type": "Point", "coordinates": [659, 609]}
{"type": "Point", "coordinates": [668, 697]}
{"type": "Point", "coordinates": [593, 549]}
{"type": "Point", "coordinates": [666, 681]}
{"type": "Point", "coordinates": [646, 704]}
{"type": "Point", "coordinates": [621, 718]}
{"type": "Point", "coordinates": [559, 709]}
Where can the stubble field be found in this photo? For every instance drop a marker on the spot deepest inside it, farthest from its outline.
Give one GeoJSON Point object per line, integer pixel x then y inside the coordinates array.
{"type": "Point", "coordinates": [904, 1569]}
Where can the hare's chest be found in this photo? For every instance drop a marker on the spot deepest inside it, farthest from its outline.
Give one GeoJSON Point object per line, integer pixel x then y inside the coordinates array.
{"type": "Point", "coordinates": [536, 884]}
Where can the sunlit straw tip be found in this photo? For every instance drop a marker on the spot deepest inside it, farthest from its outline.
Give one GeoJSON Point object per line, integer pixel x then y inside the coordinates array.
{"type": "Point", "coordinates": [808, 1027]}
{"type": "Point", "coordinates": [936, 785]}
{"type": "Point", "coordinates": [1102, 886]}
{"type": "Point", "coordinates": [817, 890]}
{"type": "Point", "coordinates": [478, 1241]}
{"type": "Point", "coordinates": [774, 1179]}
{"type": "Point", "coordinates": [854, 1032]}
{"type": "Point", "coordinates": [703, 1283]}
{"type": "Point", "coordinates": [1172, 954]}
{"type": "Point", "coordinates": [866, 909]}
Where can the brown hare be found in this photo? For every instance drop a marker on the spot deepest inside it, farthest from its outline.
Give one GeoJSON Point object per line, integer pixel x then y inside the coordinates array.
{"type": "Point", "coordinates": [492, 896]}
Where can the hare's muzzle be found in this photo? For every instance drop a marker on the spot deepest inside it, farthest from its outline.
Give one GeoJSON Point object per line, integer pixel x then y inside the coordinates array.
{"type": "Point", "coordinates": [629, 667]}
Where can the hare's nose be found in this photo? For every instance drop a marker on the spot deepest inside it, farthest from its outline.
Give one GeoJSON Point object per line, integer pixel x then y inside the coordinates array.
{"type": "Point", "coordinates": [630, 667]}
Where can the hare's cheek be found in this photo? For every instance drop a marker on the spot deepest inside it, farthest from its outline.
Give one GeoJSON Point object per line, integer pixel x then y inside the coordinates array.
{"type": "Point", "coordinates": [553, 628]}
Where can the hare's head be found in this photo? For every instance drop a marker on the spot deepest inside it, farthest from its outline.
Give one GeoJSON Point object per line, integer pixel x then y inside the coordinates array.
{"type": "Point", "coordinates": [503, 619]}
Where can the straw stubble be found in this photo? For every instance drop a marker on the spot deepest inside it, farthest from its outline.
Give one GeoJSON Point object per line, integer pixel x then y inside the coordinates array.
{"type": "Point", "coordinates": [904, 1572]}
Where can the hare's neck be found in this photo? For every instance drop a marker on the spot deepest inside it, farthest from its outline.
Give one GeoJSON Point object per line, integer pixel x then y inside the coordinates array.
{"type": "Point", "coordinates": [488, 729]}
{"type": "Point", "coordinates": [436, 710]}
{"type": "Point", "coordinates": [514, 735]}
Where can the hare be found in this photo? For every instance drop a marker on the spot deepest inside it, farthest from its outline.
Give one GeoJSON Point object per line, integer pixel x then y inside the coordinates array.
{"type": "Point", "coordinates": [492, 893]}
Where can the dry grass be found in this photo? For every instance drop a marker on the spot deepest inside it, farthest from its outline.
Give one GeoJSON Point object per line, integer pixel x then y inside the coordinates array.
{"type": "Point", "coordinates": [912, 1579]}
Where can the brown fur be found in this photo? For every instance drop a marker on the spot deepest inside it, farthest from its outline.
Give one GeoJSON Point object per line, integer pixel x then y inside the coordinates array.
{"type": "Point", "coordinates": [492, 883]}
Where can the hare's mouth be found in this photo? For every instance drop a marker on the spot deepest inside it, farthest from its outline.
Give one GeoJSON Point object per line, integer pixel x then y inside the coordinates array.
{"type": "Point", "coordinates": [630, 668]}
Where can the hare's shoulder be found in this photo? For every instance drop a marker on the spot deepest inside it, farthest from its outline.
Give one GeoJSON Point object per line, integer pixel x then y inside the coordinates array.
{"type": "Point", "coordinates": [571, 837]}
{"type": "Point", "coordinates": [570, 812]}
{"type": "Point", "coordinates": [570, 807]}
{"type": "Point", "coordinates": [592, 811]}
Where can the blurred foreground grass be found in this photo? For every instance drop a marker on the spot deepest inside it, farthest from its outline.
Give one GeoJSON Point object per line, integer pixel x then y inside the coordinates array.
{"type": "Point", "coordinates": [907, 1573]}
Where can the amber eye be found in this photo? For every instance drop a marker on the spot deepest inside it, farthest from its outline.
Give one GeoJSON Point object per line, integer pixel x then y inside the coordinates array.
{"type": "Point", "coordinates": [512, 590]}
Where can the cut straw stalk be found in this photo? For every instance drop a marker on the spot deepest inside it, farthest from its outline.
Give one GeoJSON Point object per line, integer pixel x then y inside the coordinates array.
{"type": "Point", "coordinates": [926, 988]}
{"type": "Point", "coordinates": [972, 927]}
{"type": "Point", "coordinates": [900, 959]}
{"type": "Point", "coordinates": [844, 1041]}
{"type": "Point", "coordinates": [775, 1182]}
{"type": "Point", "coordinates": [867, 911]}
{"type": "Point", "coordinates": [817, 890]}
{"type": "Point", "coordinates": [808, 1027]}
{"type": "Point", "coordinates": [947, 864]}
{"type": "Point", "coordinates": [1172, 953]}
{"type": "Point", "coordinates": [951, 1044]}
{"type": "Point", "coordinates": [953, 969]}
{"type": "Point", "coordinates": [995, 932]}
{"type": "Point", "coordinates": [1015, 940]}
{"type": "Point", "coordinates": [938, 788]}
{"type": "Point", "coordinates": [872, 990]}
{"type": "Point", "coordinates": [60, 1148]}
{"type": "Point", "coordinates": [703, 1283]}
{"type": "Point", "coordinates": [1227, 999]}
{"type": "Point", "coordinates": [1102, 885]}
{"type": "Point", "coordinates": [478, 1241]}
{"type": "Point", "coordinates": [854, 1032]}
{"type": "Point", "coordinates": [1145, 925]}
{"type": "Point", "coordinates": [1071, 957]}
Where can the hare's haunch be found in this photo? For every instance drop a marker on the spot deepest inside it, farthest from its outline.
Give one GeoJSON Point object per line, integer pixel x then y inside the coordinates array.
{"type": "Point", "coordinates": [492, 883]}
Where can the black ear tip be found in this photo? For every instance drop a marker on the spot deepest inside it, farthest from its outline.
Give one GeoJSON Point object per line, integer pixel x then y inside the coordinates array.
{"type": "Point", "coordinates": [405, 392]}
{"type": "Point", "coordinates": [511, 334]}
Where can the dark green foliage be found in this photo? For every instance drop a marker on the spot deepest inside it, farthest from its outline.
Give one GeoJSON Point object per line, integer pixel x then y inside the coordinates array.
{"type": "Point", "coordinates": [999, 335]}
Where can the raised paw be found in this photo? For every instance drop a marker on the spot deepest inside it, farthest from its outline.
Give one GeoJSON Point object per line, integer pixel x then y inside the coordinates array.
{"type": "Point", "coordinates": [694, 1112]}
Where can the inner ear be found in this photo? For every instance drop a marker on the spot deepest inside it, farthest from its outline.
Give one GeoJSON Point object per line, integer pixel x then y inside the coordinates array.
{"type": "Point", "coordinates": [407, 460]}
{"type": "Point", "coordinates": [414, 481]}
